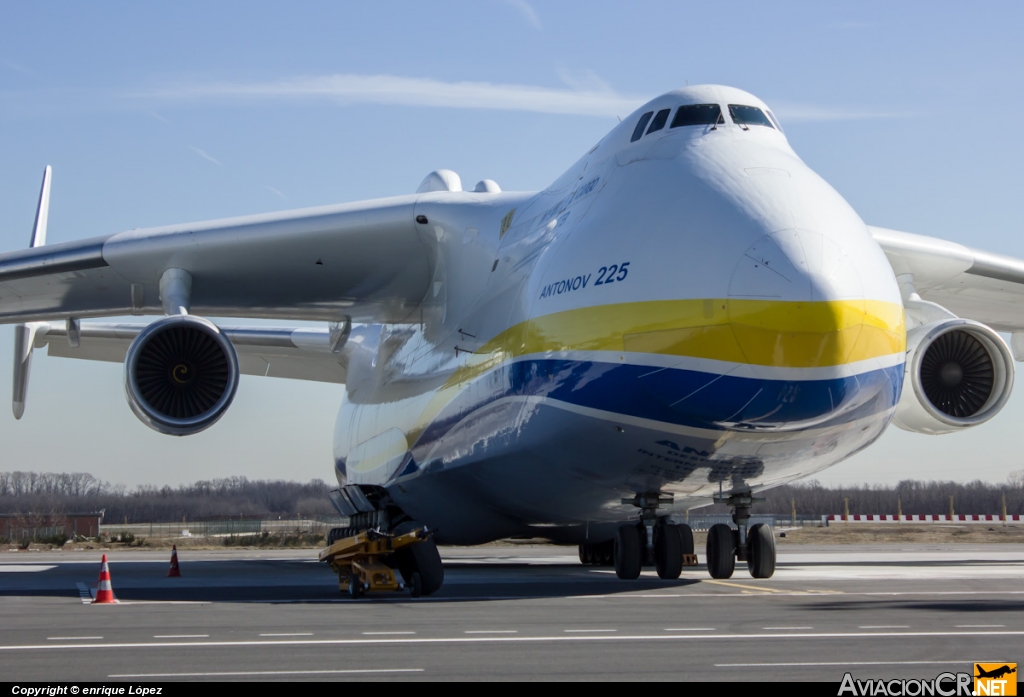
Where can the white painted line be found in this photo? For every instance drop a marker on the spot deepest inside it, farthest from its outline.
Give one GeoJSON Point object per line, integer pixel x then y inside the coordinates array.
{"type": "Point", "coordinates": [780, 629]}
{"type": "Point", "coordinates": [72, 638]}
{"type": "Point", "coordinates": [267, 672]}
{"type": "Point", "coordinates": [689, 629]}
{"type": "Point", "coordinates": [884, 626]}
{"type": "Point", "coordinates": [979, 626]}
{"type": "Point", "coordinates": [840, 663]}
{"type": "Point", "coordinates": [181, 636]}
{"type": "Point", "coordinates": [292, 634]}
{"type": "Point", "coordinates": [844, 636]}
{"type": "Point", "coordinates": [581, 631]}
{"type": "Point", "coordinates": [386, 633]}
{"type": "Point", "coordinates": [24, 568]}
{"type": "Point", "coordinates": [491, 631]}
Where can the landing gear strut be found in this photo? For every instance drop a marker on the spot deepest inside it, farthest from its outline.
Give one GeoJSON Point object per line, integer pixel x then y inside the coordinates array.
{"type": "Point", "coordinates": [654, 539]}
{"type": "Point", "coordinates": [754, 544]}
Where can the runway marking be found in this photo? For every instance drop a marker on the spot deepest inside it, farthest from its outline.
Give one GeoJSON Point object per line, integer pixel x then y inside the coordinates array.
{"type": "Point", "coordinates": [267, 672]}
{"type": "Point", "coordinates": [385, 633]}
{"type": "Point", "coordinates": [25, 568]}
{"type": "Point", "coordinates": [884, 626]}
{"type": "Point", "coordinates": [290, 634]}
{"type": "Point", "coordinates": [761, 589]}
{"type": "Point", "coordinates": [84, 593]}
{"type": "Point", "coordinates": [72, 638]}
{"type": "Point", "coordinates": [581, 631]}
{"type": "Point", "coordinates": [785, 628]}
{"type": "Point", "coordinates": [840, 663]}
{"type": "Point", "coordinates": [491, 631]}
{"type": "Point", "coordinates": [979, 626]}
{"type": "Point", "coordinates": [512, 639]}
{"type": "Point", "coordinates": [689, 629]}
{"type": "Point", "coordinates": [182, 636]}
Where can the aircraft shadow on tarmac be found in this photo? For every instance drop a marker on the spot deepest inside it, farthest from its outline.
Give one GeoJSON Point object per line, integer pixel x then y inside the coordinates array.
{"type": "Point", "coordinates": [985, 606]}
{"type": "Point", "coordinates": [291, 581]}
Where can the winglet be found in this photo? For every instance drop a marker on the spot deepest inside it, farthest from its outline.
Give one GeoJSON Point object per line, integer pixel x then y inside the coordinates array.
{"type": "Point", "coordinates": [25, 334]}
{"type": "Point", "coordinates": [42, 211]}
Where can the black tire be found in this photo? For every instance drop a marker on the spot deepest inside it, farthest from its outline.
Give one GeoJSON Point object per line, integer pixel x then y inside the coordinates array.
{"type": "Point", "coordinates": [628, 552]}
{"type": "Point", "coordinates": [761, 551]}
{"type": "Point", "coordinates": [416, 585]}
{"type": "Point", "coordinates": [608, 553]}
{"type": "Point", "coordinates": [668, 557]}
{"type": "Point", "coordinates": [685, 538]}
{"type": "Point", "coordinates": [355, 587]}
{"type": "Point", "coordinates": [421, 557]}
{"type": "Point", "coordinates": [721, 551]}
{"type": "Point", "coordinates": [584, 556]}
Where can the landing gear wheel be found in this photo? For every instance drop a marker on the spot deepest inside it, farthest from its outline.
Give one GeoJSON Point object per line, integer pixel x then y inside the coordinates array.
{"type": "Point", "coordinates": [628, 552]}
{"type": "Point", "coordinates": [685, 538]}
{"type": "Point", "coordinates": [761, 551]}
{"type": "Point", "coordinates": [607, 553]}
{"type": "Point", "coordinates": [668, 556]}
{"type": "Point", "coordinates": [416, 585]}
{"type": "Point", "coordinates": [584, 554]}
{"type": "Point", "coordinates": [355, 587]}
{"type": "Point", "coordinates": [721, 551]}
{"type": "Point", "coordinates": [419, 558]}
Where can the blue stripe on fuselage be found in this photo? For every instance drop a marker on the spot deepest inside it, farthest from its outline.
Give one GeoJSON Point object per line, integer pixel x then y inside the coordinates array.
{"type": "Point", "coordinates": [679, 396]}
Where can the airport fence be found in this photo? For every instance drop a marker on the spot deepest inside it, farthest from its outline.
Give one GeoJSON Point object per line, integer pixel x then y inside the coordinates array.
{"type": "Point", "coordinates": [702, 522]}
{"type": "Point", "coordinates": [226, 527]}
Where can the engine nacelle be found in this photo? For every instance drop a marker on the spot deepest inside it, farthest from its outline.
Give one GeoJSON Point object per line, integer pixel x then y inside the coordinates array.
{"type": "Point", "coordinates": [180, 375]}
{"type": "Point", "coordinates": [959, 373]}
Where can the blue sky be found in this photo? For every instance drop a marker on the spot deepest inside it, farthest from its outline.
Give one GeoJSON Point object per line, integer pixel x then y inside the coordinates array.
{"type": "Point", "coordinates": [154, 114]}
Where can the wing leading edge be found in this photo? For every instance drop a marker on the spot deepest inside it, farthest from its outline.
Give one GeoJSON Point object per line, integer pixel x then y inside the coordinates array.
{"type": "Point", "coordinates": [363, 261]}
{"type": "Point", "coordinates": [969, 282]}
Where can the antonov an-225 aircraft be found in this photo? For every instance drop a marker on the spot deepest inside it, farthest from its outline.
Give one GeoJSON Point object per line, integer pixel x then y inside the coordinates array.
{"type": "Point", "coordinates": [688, 314]}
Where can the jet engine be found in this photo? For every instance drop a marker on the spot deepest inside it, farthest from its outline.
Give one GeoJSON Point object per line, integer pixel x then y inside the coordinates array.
{"type": "Point", "coordinates": [181, 374]}
{"type": "Point", "coordinates": [959, 373]}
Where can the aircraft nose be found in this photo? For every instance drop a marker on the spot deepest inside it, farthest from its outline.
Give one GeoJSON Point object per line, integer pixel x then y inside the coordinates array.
{"type": "Point", "coordinates": [816, 343]}
{"type": "Point", "coordinates": [797, 300]}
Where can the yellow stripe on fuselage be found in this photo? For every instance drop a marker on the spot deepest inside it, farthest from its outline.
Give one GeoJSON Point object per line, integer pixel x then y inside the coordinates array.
{"type": "Point", "coordinates": [756, 332]}
{"type": "Point", "coordinates": [784, 334]}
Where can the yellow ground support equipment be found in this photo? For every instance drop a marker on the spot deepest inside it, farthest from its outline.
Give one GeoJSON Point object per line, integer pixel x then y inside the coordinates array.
{"type": "Point", "coordinates": [357, 561]}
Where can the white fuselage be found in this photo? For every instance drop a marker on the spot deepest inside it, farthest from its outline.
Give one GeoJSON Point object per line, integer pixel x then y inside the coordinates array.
{"type": "Point", "coordinates": [692, 311]}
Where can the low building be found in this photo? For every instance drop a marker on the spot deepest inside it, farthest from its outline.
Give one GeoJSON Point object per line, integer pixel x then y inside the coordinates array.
{"type": "Point", "coordinates": [20, 526]}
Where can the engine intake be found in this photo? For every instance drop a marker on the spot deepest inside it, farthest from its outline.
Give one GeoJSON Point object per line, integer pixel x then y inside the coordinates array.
{"type": "Point", "coordinates": [960, 374]}
{"type": "Point", "coordinates": [181, 374]}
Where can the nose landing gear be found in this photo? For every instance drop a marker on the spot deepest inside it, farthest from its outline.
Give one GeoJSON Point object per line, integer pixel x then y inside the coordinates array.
{"type": "Point", "coordinates": [654, 539]}
{"type": "Point", "coordinates": [754, 544]}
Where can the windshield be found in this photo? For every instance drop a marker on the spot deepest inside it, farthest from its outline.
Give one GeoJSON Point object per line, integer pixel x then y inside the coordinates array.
{"type": "Point", "coordinates": [698, 115]}
{"type": "Point", "coordinates": [748, 116]}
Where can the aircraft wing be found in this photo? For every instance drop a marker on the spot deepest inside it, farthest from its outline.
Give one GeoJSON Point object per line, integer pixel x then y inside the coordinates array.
{"type": "Point", "coordinates": [364, 261]}
{"type": "Point", "coordinates": [970, 283]}
{"type": "Point", "coordinates": [282, 352]}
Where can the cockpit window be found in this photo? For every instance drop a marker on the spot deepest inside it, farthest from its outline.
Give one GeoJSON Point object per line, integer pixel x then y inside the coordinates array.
{"type": "Point", "coordinates": [659, 121]}
{"type": "Point", "coordinates": [748, 116]}
{"type": "Point", "coordinates": [698, 115]}
{"type": "Point", "coordinates": [774, 120]}
{"type": "Point", "coordinates": [640, 126]}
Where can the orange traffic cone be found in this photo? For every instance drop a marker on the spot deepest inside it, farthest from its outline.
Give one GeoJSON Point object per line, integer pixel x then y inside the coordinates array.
{"type": "Point", "coordinates": [104, 591]}
{"type": "Point", "coordinates": [174, 570]}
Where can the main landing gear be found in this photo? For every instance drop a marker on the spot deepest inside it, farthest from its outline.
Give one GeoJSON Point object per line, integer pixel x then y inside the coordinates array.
{"type": "Point", "coordinates": [754, 544]}
{"type": "Point", "coordinates": [655, 539]}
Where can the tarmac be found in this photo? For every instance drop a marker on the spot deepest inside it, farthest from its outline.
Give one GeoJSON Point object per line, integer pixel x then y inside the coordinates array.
{"type": "Point", "coordinates": [517, 612]}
